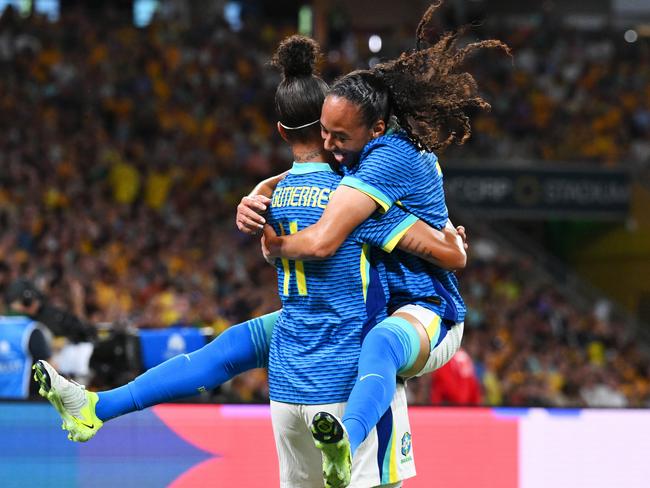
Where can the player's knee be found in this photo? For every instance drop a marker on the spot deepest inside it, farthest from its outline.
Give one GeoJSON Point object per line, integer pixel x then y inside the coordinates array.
{"type": "Point", "coordinates": [380, 340]}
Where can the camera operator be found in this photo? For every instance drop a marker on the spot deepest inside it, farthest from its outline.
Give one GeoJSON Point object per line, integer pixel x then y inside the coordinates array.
{"type": "Point", "coordinates": [74, 339]}
{"type": "Point", "coordinates": [60, 322]}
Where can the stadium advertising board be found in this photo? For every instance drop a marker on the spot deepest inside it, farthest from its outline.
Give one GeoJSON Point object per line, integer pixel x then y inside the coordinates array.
{"type": "Point", "coordinates": [184, 446]}
{"type": "Point", "coordinates": [532, 193]}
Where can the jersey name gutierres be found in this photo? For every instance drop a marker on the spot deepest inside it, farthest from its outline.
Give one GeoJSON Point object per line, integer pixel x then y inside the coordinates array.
{"type": "Point", "coordinates": [301, 196]}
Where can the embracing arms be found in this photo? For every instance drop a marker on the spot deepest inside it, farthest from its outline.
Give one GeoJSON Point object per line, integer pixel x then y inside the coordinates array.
{"type": "Point", "coordinates": [346, 209]}
{"type": "Point", "coordinates": [249, 219]}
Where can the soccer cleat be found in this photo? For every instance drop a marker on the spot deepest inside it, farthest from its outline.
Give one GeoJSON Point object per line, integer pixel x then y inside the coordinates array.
{"type": "Point", "coordinates": [332, 439]}
{"type": "Point", "coordinates": [75, 405]}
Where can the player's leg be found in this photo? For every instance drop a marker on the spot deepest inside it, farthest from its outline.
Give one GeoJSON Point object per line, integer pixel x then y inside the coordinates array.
{"type": "Point", "coordinates": [395, 345]}
{"type": "Point", "coordinates": [333, 442]}
{"type": "Point", "coordinates": [391, 346]}
{"type": "Point", "coordinates": [238, 349]}
{"type": "Point", "coordinates": [384, 458]}
{"type": "Point", "coordinates": [444, 350]}
{"type": "Point", "coordinates": [417, 341]}
{"type": "Point", "coordinates": [298, 459]}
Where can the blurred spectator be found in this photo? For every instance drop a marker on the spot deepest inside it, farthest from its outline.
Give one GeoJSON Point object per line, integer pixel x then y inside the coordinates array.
{"type": "Point", "coordinates": [24, 298]}
{"type": "Point", "coordinates": [600, 390]}
{"type": "Point", "coordinates": [22, 342]}
{"type": "Point", "coordinates": [5, 277]}
{"type": "Point", "coordinates": [456, 382]}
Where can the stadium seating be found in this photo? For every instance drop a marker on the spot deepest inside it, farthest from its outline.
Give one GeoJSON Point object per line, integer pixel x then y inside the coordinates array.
{"type": "Point", "coordinates": [124, 151]}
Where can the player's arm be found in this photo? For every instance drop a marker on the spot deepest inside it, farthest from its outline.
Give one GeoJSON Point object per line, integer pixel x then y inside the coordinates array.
{"type": "Point", "coordinates": [249, 217]}
{"type": "Point", "coordinates": [356, 199]}
{"type": "Point", "coordinates": [348, 208]}
{"type": "Point", "coordinates": [445, 249]}
{"type": "Point", "coordinates": [267, 187]}
{"type": "Point", "coordinates": [399, 229]}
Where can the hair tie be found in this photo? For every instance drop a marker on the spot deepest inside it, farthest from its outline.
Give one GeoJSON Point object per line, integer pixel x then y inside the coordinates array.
{"type": "Point", "coordinates": [300, 126]}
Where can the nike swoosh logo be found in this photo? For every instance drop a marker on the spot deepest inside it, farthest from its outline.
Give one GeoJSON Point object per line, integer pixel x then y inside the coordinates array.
{"type": "Point", "coordinates": [90, 426]}
{"type": "Point", "coordinates": [369, 375]}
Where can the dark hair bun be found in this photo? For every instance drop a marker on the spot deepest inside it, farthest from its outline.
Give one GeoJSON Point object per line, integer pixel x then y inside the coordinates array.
{"type": "Point", "coordinates": [296, 56]}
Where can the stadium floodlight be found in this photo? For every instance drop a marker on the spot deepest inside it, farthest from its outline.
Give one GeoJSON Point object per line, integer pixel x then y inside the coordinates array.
{"type": "Point", "coordinates": [232, 14]}
{"type": "Point", "coordinates": [374, 43]}
{"type": "Point", "coordinates": [631, 36]}
{"type": "Point", "coordinates": [306, 20]}
{"type": "Point", "coordinates": [143, 12]}
{"type": "Point", "coordinates": [50, 8]}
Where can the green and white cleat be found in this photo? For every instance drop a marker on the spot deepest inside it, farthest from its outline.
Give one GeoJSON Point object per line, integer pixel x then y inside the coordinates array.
{"type": "Point", "coordinates": [75, 405]}
{"type": "Point", "coordinates": [332, 439]}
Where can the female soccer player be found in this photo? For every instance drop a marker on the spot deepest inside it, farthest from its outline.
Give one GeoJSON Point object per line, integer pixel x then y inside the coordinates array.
{"type": "Point", "coordinates": [245, 346]}
{"type": "Point", "coordinates": [391, 118]}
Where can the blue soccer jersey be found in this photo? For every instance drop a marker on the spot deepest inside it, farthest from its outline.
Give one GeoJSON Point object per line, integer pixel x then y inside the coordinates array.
{"type": "Point", "coordinates": [393, 172]}
{"type": "Point", "coordinates": [327, 305]}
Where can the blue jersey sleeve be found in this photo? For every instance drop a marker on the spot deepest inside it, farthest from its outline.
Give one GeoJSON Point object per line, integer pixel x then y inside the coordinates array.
{"type": "Point", "coordinates": [385, 230]}
{"type": "Point", "coordinates": [384, 174]}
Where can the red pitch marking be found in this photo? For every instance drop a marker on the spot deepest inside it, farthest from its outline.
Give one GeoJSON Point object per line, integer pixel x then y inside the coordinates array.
{"type": "Point", "coordinates": [459, 447]}
{"type": "Point", "coordinates": [243, 444]}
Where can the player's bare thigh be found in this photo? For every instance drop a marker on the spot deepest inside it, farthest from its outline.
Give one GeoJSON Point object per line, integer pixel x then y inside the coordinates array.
{"type": "Point", "coordinates": [425, 349]}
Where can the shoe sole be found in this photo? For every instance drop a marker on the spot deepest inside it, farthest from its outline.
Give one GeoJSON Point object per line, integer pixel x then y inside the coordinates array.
{"type": "Point", "coordinates": [328, 436]}
{"type": "Point", "coordinates": [42, 377]}
{"type": "Point", "coordinates": [326, 428]}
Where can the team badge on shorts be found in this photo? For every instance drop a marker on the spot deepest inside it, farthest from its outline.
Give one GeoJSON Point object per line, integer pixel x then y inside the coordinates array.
{"type": "Point", "coordinates": [406, 443]}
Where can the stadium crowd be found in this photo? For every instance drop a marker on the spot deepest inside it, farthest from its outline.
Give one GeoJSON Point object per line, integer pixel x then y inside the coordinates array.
{"type": "Point", "coordinates": [567, 95]}
{"type": "Point", "coordinates": [532, 347]}
{"type": "Point", "coordinates": [124, 151]}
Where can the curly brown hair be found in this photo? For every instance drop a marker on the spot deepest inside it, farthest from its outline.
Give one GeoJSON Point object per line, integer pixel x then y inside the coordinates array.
{"type": "Point", "coordinates": [430, 95]}
{"type": "Point", "coordinates": [426, 91]}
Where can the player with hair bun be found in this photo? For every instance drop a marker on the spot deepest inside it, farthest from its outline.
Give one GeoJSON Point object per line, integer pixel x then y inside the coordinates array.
{"type": "Point", "coordinates": [301, 197]}
{"type": "Point", "coordinates": [327, 305]}
{"type": "Point", "coordinates": [382, 125]}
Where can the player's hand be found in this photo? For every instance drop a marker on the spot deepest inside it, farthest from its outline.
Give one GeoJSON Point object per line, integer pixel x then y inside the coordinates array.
{"type": "Point", "coordinates": [249, 214]}
{"type": "Point", "coordinates": [270, 244]}
{"type": "Point", "coordinates": [460, 230]}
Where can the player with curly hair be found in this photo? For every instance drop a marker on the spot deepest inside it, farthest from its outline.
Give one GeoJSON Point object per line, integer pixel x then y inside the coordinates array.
{"type": "Point", "coordinates": [389, 120]}
{"type": "Point", "coordinates": [319, 367]}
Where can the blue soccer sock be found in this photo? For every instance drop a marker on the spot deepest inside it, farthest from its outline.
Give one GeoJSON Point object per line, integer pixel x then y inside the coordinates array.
{"type": "Point", "coordinates": [390, 347]}
{"type": "Point", "coordinates": [239, 348]}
